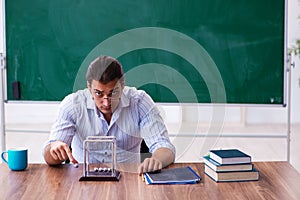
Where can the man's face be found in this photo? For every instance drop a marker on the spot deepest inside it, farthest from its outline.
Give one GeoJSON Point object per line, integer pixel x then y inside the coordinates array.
{"type": "Point", "coordinates": [106, 96]}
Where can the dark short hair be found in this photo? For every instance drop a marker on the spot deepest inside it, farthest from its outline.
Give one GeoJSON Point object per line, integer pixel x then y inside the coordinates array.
{"type": "Point", "coordinates": [104, 69]}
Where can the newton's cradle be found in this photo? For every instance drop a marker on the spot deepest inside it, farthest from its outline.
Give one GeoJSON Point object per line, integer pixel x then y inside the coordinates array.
{"type": "Point", "coordinates": [91, 170]}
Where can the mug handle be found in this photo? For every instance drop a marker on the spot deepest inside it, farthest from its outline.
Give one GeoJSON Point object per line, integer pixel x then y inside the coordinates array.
{"type": "Point", "coordinates": [2, 156]}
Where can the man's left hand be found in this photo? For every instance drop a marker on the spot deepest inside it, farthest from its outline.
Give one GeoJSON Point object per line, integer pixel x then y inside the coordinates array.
{"type": "Point", "coordinates": [150, 165]}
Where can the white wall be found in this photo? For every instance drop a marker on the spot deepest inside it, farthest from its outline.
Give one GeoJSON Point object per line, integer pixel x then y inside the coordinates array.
{"type": "Point", "coordinates": [293, 35]}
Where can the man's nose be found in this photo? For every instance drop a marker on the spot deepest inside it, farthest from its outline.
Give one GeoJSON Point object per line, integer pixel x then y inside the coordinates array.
{"type": "Point", "coordinates": [106, 101]}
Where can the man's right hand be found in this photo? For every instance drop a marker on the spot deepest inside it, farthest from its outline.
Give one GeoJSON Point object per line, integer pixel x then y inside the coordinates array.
{"type": "Point", "coordinates": [57, 152]}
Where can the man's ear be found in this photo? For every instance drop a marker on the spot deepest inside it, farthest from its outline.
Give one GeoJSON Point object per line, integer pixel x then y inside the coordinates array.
{"type": "Point", "coordinates": [122, 82]}
{"type": "Point", "coordinates": [90, 89]}
{"type": "Point", "coordinates": [122, 85]}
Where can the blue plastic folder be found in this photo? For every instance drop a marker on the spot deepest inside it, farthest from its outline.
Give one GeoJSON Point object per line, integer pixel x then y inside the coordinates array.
{"type": "Point", "coordinates": [185, 175]}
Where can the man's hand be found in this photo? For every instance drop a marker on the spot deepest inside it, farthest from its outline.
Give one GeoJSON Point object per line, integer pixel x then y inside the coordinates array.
{"type": "Point", "coordinates": [161, 158]}
{"type": "Point", "coordinates": [57, 152]}
{"type": "Point", "coordinates": [150, 165]}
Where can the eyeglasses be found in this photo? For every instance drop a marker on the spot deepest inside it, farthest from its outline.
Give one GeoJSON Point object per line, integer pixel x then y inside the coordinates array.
{"type": "Point", "coordinates": [112, 96]}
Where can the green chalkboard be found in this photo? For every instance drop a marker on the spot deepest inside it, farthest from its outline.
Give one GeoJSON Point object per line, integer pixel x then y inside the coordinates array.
{"type": "Point", "coordinates": [197, 51]}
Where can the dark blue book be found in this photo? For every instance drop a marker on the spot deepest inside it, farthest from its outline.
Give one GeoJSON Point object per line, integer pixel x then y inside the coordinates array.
{"type": "Point", "coordinates": [229, 156]}
{"type": "Point", "coordinates": [226, 167]}
{"type": "Point", "coordinates": [185, 175]}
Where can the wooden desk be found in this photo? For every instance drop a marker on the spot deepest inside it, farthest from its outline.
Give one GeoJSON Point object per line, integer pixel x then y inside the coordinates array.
{"type": "Point", "coordinates": [278, 180]}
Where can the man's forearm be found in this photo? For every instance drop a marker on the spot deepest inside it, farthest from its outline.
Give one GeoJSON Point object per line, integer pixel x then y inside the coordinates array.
{"type": "Point", "coordinates": [165, 155]}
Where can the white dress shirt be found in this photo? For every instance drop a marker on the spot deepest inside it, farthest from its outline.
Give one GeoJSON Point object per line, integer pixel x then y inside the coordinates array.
{"type": "Point", "coordinates": [135, 118]}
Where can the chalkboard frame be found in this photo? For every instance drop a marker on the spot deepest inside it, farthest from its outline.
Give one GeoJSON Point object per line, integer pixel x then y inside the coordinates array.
{"type": "Point", "coordinates": [282, 102]}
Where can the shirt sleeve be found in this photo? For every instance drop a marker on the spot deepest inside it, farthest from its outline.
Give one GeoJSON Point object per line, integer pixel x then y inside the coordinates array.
{"type": "Point", "coordinates": [64, 127]}
{"type": "Point", "coordinates": [152, 127]}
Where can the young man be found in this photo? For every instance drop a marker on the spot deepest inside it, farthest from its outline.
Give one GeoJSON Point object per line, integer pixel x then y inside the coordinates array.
{"type": "Point", "coordinates": [109, 108]}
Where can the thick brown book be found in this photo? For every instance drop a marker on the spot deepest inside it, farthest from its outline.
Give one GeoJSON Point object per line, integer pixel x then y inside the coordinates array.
{"type": "Point", "coordinates": [252, 175]}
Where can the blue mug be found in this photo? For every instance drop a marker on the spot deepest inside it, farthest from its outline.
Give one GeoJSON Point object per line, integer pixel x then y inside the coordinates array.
{"type": "Point", "coordinates": [17, 159]}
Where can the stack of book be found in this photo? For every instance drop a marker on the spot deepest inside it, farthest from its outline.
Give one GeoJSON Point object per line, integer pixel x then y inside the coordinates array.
{"type": "Point", "coordinates": [229, 165]}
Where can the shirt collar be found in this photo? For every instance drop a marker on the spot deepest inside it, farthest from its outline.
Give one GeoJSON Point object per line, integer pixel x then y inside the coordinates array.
{"type": "Point", "coordinates": [124, 101]}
